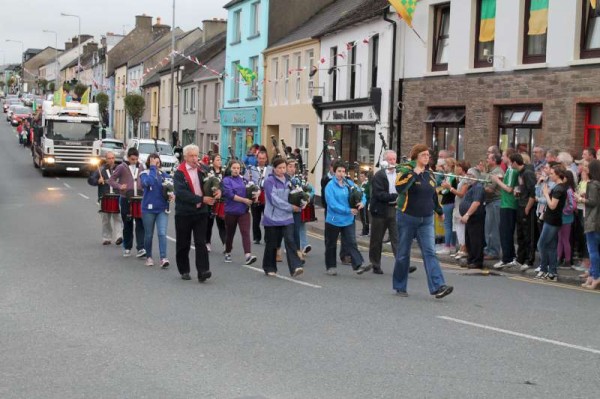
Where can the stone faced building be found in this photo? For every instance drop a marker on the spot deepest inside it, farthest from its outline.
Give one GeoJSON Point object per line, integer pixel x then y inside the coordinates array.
{"type": "Point", "coordinates": [534, 81]}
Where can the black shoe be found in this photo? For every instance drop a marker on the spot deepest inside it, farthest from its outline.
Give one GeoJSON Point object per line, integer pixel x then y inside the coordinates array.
{"type": "Point", "coordinates": [119, 241]}
{"type": "Point", "coordinates": [361, 269]}
{"type": "Point", "coordinates": [444, 290]}
{"type": "Point", "coordinates": [401, 293]}
{"type": "Point", "coordinates": [204, 276]}
{"type": "Point", "coordinates": [186, 276]}
{"type": "Point", "coordinates": [257, 242]}
{"type": "Point", "coordinates": [377, 270]}
{"type": "Point", "coordinates": [412, 269]}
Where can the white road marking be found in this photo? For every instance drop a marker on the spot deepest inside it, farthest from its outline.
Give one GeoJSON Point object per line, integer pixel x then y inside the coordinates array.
{"type": "Point", "coordinates": [66, 185]}
{"type": "Point", "coordinates": [57, 178]}
{"type": "Point", "coordinates": [84, 196]}
{"type": "Point", "coordinates": [256, 269]}
{"type": "Point", "coordinates": [521, 335]}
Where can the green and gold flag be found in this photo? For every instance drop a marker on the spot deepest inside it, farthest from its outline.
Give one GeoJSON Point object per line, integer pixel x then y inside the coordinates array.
{"type": "Point", "coordinates": [593, 3]}
{"type": "Point", "coordinates": [405, 9]}
{"type": "Point", "coordinates": [247, 74]}
{"type": "Point", "coordinates": [538, 17]}
{"type": "Point", "coordinates": [487, 29]}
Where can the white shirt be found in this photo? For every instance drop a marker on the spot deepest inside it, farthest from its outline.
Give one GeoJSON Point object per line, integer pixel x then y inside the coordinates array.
{"type": "Point", "coordinates": [391, 176]}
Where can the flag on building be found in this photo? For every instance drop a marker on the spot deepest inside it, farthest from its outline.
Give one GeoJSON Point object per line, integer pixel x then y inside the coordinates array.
{"type": "Point", "coordinates": [85, 98]}
{"type": "Point", "coordinates": [538, 17]}
{"type": "Point", "coordinates": [405, 9]}
{"type": "Point", "coordinates": [487, 28]}
{"type": "Point", "coordinates": [247, 74]}
{"type": "Point", "coordinates": [593, 3]}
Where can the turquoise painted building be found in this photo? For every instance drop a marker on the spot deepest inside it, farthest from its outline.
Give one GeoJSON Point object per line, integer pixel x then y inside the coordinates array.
{"type": "Point", "coordinates": [241, 115]}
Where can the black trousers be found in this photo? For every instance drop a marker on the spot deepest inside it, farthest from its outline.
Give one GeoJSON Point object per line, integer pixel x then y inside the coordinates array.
{"type": "Point", "coordinates": [526, 226]}
{"type": "Point", "coordinates": [475, 239]}
{"type": "Point", "coordinates": [364, 219]}
{"type": "Point", "coordinates": [220, 227]}
{"type": "Point", "coordinates": [348, 234]}
{"type": "Point", "coordinates": [185, 225]}
{"type": "Point", "coordinates": [379, 225]}
{"type": "Point", "coordinates": [257, 211]}
{"type": "Point", "coordinates": [273, 237]}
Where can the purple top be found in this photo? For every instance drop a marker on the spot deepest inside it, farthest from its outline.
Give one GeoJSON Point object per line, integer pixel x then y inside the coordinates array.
{"type": "Point", "coordinates": [234, 186]}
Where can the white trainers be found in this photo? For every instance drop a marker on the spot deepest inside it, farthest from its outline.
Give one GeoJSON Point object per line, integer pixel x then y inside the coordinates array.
{"type": "Point", "coordinates": [500, 265]}
{"type": "Point", "coordinates": [538, 269]}
{"type": "Point", "coordinates": [460, 255]}
{"type": "Point", "coordinates": [140, 253]}
{"type": "Point", "coordinates": [524, 267]}
{"type": "Point", "coordinates": [298, 272]}
{"type": "Point", "coordinates": [443, 251]}
{"type": "Point", "coordinates": [164, 263]}
{"type": "Point", "coordinates": [149, 262]}
{"type": "Point", "coordinates": [250, 259]}
{"type": "Point", "coordinates": [126, 252]}
{"type": "Point", "coordinates": [227, 258]}
{"type": "Point", "coordinates": [332, 271]}
{"type": "Point", "coordinates": [208, 248]}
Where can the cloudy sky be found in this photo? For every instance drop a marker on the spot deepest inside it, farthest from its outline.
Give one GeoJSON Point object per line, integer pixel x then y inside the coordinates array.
{"type": "Point", "coordinates": [26, 19]}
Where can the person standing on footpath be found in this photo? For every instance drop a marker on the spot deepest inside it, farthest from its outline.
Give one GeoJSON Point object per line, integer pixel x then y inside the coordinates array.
{"type": "Point", "coordinates": [124, 179]}
{"type": "Point", "coordinates": [591, 200]}
{"type": "Point", "coordinates": [383, 210]}
{"type": "Point", "coordinates": [493, 248]}
{"type": "Point", "coordinates": [111, 222]}
{"type": "Point", "coordinates": [278, 222]}
{"type": "Point", "coordinates": [192, 209]}
{"type": "Point", "coordinates": [526, 219]}
{"type": "Point", "coordinates": [472, 214]}
{"type": "Point", "coordinates": [417, 201]}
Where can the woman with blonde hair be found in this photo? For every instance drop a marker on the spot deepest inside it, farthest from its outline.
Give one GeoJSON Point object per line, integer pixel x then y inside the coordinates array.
{"type": "Point", "coordinates": [447, 202]}
{"type": "Point", "coordinates": [459, 192]}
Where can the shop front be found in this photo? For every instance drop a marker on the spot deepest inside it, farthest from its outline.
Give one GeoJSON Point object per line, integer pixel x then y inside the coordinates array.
{"type": "Point", "coordinates": [240, 129]}
{"type": "Point", "coordinates": [351, 129]}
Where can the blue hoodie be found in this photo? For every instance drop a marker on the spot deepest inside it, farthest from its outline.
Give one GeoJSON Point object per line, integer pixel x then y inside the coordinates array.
{"type": "Point", "coordinates": [153, 200]}
{"type": "Point", "coordinates": [338, 205]}
{"type": "Point", "coordinates": [278, 211]}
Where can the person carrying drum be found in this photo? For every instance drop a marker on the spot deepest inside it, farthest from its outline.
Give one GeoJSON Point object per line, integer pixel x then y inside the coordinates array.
{"type": "Point", "coordinates": [111, 220]}
{"type": "Point", "coordinates": [126, 179]}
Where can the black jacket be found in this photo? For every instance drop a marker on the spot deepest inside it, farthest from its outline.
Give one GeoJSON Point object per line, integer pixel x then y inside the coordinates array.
{"type": "Point", "coordinates": [381, 198]}
{"type": "Point", "coordinates": [185, 198]}
{"type": "Point", "coordinates": [95, 176]}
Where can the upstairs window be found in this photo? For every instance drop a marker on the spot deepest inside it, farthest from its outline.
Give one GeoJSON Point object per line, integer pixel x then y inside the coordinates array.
{"type": "Point", "coordinates": [237, 26]}
{"type": "Point", "coordinates": [235, 86]}
{"type": "Point", "coordinates": [536, 31]}
{"type": "Point", "coordinates": [333, 70]}
{"type": "Point", "coordinates": [441, 31]}
{"type": "Point", "coordinates": [253, 89]}
{"type": "Point", "coordinates": [255, 22]}
{"type": "Point", "coordinates": [351, 70]}
{"type": "Point", "coordinates": [485, 33]}
{"type": "Point", "coordinates": [374, 49]}
{"type": "Point", "coordinates": [590, 30]}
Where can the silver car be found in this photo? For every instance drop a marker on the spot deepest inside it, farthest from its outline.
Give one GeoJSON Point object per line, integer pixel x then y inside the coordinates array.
{"type": "Point", "coordinates": [114, 145]}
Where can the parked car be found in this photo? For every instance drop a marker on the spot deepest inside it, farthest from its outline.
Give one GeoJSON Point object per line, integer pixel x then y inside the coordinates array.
{"type": "Point", "coordinates": [10, 110]}
{"type": "Point", "coordinates": [11, 101]}
{"type": "Point", "coordinates": [114, 145]}
{"type": "Point", "coordinates": [20, 113]}
{"type": "Point", "coordinates": [148, 146]}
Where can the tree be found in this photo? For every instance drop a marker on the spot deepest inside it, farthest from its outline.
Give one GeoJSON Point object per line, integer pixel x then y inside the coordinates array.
{"type": "Point", "coordinates": [135, 105]}
{"type": "Point", "coordinates": [67, 87]}
{"type": "Point", "coordinates": [2, 84]}
{"type": "Point", "coordinates": [102, 100]}
{"type": "Point", "coordinates": [79, 90]}
{"type": "Point", "coordinates": [52, 86]}
{"type": "Point", "coordinates": [42, 83]}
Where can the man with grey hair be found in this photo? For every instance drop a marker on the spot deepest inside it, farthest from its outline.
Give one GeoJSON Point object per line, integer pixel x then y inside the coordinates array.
{"type": "Point", "coordinates": [383, 210]}
{"type": "Point", "coordinates": [472, 214]}
{"type": "Point", "coordinates": [539, 159]}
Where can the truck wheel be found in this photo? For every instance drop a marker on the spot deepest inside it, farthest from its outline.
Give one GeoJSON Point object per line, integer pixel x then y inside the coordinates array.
{"type": "Point", "coordinates": [45, 172]}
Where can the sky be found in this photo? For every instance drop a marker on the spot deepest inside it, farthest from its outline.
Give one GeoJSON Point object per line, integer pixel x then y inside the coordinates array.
{"type": "Point", "coordinates": [25, 20]}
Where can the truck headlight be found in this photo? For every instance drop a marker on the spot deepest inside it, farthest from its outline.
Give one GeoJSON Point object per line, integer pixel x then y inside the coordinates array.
{"type": "Point", "coordinates": [49, 160]}
{"type": "Point", "coordinates": [94, 161]}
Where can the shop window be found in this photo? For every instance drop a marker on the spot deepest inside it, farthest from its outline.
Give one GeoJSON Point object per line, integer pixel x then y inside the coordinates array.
{"type": "Point", "coordinates": [448, 130]}
{"type": "Point", "coordinates": [485, 32]}
{"type": "Point", "coordinates": [354, 144]}
{"type": "Point", "coordinates": [441, 32]}
{"type": "Point", "coordinates": [519, 127]}
{"type": "Point", "coordinates": [592, 127]}
{"type": "Point", "coordinates": [536, 31]}
{"type": "Point", "coordinates": [590, 30]}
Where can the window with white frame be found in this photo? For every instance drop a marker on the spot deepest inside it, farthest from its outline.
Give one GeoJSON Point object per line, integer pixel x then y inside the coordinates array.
{"type": "Point", "coordinates": [333, 72]}
{"type": "Point", "coordinates": [185, 100]}
{"type": "Point", "coordinates": [255, 25]}
{"type": "Point", "coordinates": [204, 90]}
{"type": "Point", "coordinates": [192, 99]}
{"type": "Point", "coordinates": [301, 140]}
{"type": "Point", "coordinates": [217, 101]}
{"type": "Point", "coordinates": [274, 80]}
{"type": "Point", "coordinates": [286, 79]}
{"type": "Point", "coordinates": [298, 67]}
{"type": "Point", "coordinates": [351, 70]}
{"type": "Point", "coordinates": [253, 88]}
{"type": "Point", "coordinates": [235, 85]}
{"type": "Point", "coordinates": [237, 26]}
{"type": "Point", "coordinates": [310, 58]}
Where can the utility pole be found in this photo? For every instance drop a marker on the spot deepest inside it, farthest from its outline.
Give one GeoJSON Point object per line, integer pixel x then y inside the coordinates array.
{"type": "Point", "coordinates": [172, 71]}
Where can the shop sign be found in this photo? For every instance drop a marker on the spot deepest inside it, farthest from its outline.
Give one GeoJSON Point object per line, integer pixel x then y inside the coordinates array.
{"type": "Point", "coordinates": [239, 118]}
{"type": "Point", "coordinates": [363, 114]}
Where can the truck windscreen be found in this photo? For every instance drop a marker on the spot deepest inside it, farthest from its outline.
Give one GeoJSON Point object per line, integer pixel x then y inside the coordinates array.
{"type": "Point", "coordinates": [73, 131]}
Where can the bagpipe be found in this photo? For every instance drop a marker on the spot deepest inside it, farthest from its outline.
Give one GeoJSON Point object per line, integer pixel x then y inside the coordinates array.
{"type": "Point", "coordinates": [211, 182]}
{"type": "Point", "coordinates": [355, 194]}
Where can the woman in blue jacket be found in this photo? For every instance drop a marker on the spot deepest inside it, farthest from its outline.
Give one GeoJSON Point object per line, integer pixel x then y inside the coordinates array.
{"type": "Point", "coordinates": [340, 220]}
{"type": "Point", "coordinates": [154, 207]}
{"type": "Point", "coordinates": [278, 220]}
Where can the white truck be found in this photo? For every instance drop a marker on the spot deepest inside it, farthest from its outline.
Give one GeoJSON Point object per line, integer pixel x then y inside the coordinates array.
{"type": "Point", "coordinates": [70, 139]}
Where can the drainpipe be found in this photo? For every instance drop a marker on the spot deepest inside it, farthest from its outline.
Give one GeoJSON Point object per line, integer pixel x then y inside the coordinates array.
{"type": "Point", "coordinates": [393, 78]}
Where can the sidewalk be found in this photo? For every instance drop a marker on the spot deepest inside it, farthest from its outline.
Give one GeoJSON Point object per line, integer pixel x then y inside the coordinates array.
{"type": "Point", "coordinates": [567, 276]}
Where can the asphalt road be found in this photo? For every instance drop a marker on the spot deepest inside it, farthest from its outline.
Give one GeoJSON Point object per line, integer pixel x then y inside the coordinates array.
{"type": "Point", "coordinates": [77, 320]}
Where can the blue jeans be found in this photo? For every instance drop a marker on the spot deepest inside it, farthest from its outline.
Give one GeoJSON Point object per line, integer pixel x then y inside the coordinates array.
{"type": "Point", "coordinates": [303, 237]}
{"type": "Point", "coordinates": [128, 227]}
{"type": "Point", "coordinates": [449, 240]}
{"type": "Point", "coordinates": [593, 241]}
{"type": "Point", "coordinates": [547, 245]}
{"type": "Point", "coordinates": [161, 220]}
{"type": "Point", "coordinates": [492, 231]}
{"type": "Point", "coordinates": [421, 228]}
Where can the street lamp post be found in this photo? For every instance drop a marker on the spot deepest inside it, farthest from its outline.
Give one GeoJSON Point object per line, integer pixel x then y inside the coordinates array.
{"type": "Point", "coordinates": [172, 70]}
{"type": "Point", "coordinates": [78, 39]}
{"type": "Point", "coordinates": [22, 61]}
{"type": "Point", "coordinates": [55, 54]}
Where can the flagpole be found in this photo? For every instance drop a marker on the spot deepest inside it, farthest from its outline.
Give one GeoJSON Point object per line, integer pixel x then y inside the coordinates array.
{"type": "Point", "coordinates": [419, 36]}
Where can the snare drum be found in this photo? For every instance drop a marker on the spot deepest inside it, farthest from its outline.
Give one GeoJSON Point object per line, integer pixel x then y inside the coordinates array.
{"type": "Point", "coordinates": [308, 213]}
{"type": "Point", "coordinates": [219, 209]}
{"type": "Point", "coordinates": [135, 207]}
{"type": "Point", "coordinates": [109, 203]}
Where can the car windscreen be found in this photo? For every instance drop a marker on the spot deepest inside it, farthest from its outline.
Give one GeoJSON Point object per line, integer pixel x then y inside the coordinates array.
{"type": "Point", "coordinates": [74, 131]}
{"type": "Point", "coordinates": [149, 148]}
{"type": "Point", "coordinates": [22, 110]}
{"type": "Point", "coordinates": [112, 145]}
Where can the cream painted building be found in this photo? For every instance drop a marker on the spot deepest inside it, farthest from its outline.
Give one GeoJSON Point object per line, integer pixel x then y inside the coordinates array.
{"type": "Point", "coordinates": [120, 92]}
